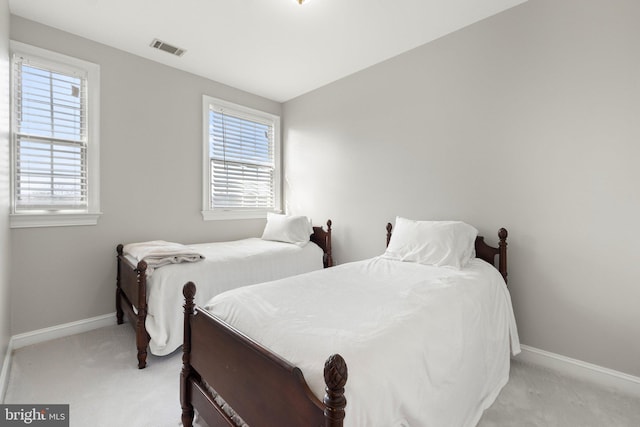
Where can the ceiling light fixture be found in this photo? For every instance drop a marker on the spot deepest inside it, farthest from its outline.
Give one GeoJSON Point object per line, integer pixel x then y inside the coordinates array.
{"type": "Point", "coordinates": [300, 1]}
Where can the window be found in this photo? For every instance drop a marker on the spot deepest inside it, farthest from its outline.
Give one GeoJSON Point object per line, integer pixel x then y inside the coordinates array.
{"type": "Point", "coordinates": [241, 161]}
{"type": "Point", "coordinates": [55, 144]}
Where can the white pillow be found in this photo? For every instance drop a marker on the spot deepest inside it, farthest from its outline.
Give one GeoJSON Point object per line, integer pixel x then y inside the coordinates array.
{"type": "Point", "coordinates": [438, 243]}
{"type": "Point", "coordinates": [289, 229]}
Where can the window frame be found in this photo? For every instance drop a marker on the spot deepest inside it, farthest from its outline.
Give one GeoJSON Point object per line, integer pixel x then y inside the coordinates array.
{"type": "Point", "coordinates": [208, 212]}
{"type": "Point", "coordinates": [60, 217]}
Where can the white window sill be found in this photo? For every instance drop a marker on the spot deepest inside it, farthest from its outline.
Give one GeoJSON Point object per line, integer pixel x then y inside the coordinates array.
{"type": "Point", "coordinates": [29, 220]}
{"type": "Point", "coordinates": [225, 215]}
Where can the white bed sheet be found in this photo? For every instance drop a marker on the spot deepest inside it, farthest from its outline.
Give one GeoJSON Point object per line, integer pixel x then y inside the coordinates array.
{"type": "Point", "coordinates": [425, 346]}
{"type": "Point", "coordinates": [227, 265]}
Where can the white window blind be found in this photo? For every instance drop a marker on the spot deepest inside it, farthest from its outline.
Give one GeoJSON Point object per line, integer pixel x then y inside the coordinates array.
{"type": "Point", "coordinates": [50, 146]}
{"type": "Point", "coordinates": [242, 160]}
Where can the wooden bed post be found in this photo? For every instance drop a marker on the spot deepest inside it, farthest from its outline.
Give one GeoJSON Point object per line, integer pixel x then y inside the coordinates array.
{"type": "Point", "coordinates": [119, 312]}
{"type": "Point", "coordinates": [502, 263]}
{"type": "Point", "coordinates": [322, 238]}
{"type": "Point", "coordinates": [329, 262]}
{"type": "Point", "coordinates": [335, 377]}
{"type": "Point", "coordinates": [189, 292]}
{"type": "Point", "coordinates": [389, 228]}
{"type": "Point", "coordinates": [142, 338]}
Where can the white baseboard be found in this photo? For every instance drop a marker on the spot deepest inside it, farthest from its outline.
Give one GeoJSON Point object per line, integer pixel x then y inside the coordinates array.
{"type": "Point", "coordinates": [581, 370]}
{"type": "Point", "coordinates": [46, 334]}
{"type": "Point", "coordinates": [4, 374]}
{"type": "Point", "coordinates": [59, 331]}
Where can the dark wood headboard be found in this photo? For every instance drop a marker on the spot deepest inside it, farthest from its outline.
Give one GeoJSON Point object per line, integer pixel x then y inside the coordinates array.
{"type": "Point", "coordinates": [484, 251]}
{"type": "Point", "coordinates": [323, 239]}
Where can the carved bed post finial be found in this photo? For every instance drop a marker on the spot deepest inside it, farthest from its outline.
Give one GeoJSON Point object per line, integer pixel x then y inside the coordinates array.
{"type": "Point", "coordinates": [502, 264]}
{"type": "Point", "coordinates": [335, 377]}
{"type": "Point", "coordinates": [389, 228]}
{"type": "Point", "coordinates": [329, 262]}
{"type": "Point", "coordinates": [189, 292]}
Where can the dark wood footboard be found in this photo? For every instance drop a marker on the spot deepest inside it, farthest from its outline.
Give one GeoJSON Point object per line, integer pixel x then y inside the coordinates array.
{"type": "Point", "coordinates": [259, 386]}
{"type": "Point", "coordinates": [131, 289]}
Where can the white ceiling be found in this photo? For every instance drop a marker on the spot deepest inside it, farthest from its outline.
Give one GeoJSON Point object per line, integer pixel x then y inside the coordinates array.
{"type": "Point", "coordinates": [273, 48]}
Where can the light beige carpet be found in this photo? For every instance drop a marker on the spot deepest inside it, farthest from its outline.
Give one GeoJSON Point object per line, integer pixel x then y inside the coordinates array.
{"type": "Point", "coordinates": [95, 372]}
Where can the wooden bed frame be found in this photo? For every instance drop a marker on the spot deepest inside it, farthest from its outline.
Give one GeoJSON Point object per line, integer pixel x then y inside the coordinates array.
{"type": "Point", "coordinates": [131, 289]}
{"type": "Point", "coordinates": [261, 387]}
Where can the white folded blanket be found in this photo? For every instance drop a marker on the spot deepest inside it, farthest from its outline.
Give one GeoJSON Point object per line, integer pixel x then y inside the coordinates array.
{"type": "Point", "coordinates": [157, 253]}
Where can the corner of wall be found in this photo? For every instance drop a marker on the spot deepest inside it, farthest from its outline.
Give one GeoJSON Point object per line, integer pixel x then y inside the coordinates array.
{"type": "Point", "coordinates": [5, 315]}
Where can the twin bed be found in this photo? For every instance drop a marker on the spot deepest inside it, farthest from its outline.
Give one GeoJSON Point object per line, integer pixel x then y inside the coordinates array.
{"type": "Point", "coordinates": [427, 329]}
{"type": "Point", "coordinates": [152, 300]}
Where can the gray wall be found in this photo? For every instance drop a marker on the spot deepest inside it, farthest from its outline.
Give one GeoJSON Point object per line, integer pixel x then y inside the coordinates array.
{"type": "Point", "coordinates": [150, 183]}
{"type": "Point", "coordinates": [5, 319]}
{"type": "Point", "coordinates": [527, 120]}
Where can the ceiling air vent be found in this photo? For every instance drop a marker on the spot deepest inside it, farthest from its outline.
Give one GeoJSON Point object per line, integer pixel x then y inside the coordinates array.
{"type": "Point", "coordinates": [166, 47]}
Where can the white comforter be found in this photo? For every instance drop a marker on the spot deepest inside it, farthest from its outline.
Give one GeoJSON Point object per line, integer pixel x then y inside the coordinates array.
{"type": "Point", "coordinates": [425, 346]}
{"type": "Point", "coordinates": [227, 265]}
